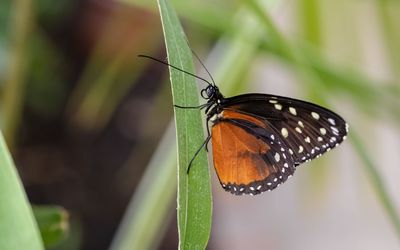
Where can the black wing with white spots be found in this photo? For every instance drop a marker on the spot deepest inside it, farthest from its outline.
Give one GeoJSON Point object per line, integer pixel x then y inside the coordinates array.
{"type": "Point", "coordinates": [307, 130]}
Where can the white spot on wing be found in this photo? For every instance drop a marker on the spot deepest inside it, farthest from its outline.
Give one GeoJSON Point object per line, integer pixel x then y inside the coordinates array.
{"type": "Point", "coordinates": [292, 111]}
{"type": "Point", "coordinates": [278, 106]}
{"type": "Point", "coordinates": [298, 130]}
{"type": "Point", "coordinates": [323, 131]}
{"type": "Point", "coordinates": [315, 115]}
{"type": "Point", "coordinates": [284, 132]}
{"type": "Point", "coordinates": [335, 130]}
{"type": "Point", "coordinates": [277, 157]}
{"type": "Point", "coordinates": [331, 121]}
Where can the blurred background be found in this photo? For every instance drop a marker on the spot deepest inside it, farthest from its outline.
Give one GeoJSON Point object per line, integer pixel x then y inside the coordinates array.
{"type": "Point", "coordinates": [89, 124]}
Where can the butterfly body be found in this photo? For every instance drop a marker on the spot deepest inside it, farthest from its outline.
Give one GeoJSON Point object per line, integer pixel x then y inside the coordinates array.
{"type": "Point", "coordinates": [258, 140]}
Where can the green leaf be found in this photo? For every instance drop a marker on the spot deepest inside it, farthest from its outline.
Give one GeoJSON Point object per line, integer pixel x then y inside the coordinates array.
{"type": "Point", "coordinates": [194, 192]}
{"type": "Point", "coordinates": [53, 224]}
{"type": "Point", "coordinates": [18, 229]}
{"type": "Point", "coordinates": [377, 181]}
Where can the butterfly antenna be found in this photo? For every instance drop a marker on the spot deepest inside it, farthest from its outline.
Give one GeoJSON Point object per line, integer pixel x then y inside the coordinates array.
{"type": "Point", "coordinates": [202, 64]}
{"type": "Point", "coordinates": [172, 66]}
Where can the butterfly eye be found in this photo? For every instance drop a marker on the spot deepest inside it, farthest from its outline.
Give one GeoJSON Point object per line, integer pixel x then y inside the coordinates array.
{"type": "Point", "coordinates": [208, 92]}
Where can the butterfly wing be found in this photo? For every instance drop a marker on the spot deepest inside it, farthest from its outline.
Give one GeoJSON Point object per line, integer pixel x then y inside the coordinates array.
{"type": "Point", "coordinates": [307, 130]}
{"type": "Point", "coordinates": [248, 156]}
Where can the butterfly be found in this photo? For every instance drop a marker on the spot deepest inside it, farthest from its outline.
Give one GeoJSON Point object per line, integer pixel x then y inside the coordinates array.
{"type": "Point", "coordinates": [258, 140]}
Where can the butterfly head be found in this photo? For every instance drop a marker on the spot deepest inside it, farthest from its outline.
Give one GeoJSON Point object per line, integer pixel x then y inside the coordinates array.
{"type": "Point", "coordinates": [212, 94]}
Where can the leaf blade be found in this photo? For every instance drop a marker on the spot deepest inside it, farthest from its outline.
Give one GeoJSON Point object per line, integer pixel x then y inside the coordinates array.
{"type": "Point", "coordinates": [18, 227]}
{"type": "Point", "coordinates": [194, 192]}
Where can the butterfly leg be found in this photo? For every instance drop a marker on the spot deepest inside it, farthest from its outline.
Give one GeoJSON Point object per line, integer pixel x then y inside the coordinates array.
{"type": "Point", "coordinates": [199, 107]}
{"type": "Point", "coordinates": [208, 134]}
{"type": "Point", "coordinates": [191, 107]}
{"type": "Point", "coordinates": [197, 152]}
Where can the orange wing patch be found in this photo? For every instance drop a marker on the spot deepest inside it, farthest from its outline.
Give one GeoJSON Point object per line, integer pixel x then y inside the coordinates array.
{"type": "Point", "coordinates": [236, 155]}
{"type": "Point", "coordinates": [245, 163]}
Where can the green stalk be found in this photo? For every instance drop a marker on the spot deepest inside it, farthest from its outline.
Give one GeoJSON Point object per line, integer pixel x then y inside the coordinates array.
{"type": "Point", "coordinates": [147, 212]}
{"type": "Point", "coordinates": [194, 190]}
{"type": "Point", "coordinates": [390, 34]}
{"type": "Point", "coordinates": [211, 15]}
{"type": "Point", "coordinates": [376, 181]}
{"type": "Point", "coordinates": [310, 20]}
{"type": "Point", "coordinates": [17, 225]}
{"type": "Point", "coordinates": [21, 24]}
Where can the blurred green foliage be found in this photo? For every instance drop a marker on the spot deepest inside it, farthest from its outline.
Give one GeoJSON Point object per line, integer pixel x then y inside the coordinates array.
{"type": "Point", "coordinates": [53, 224]}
